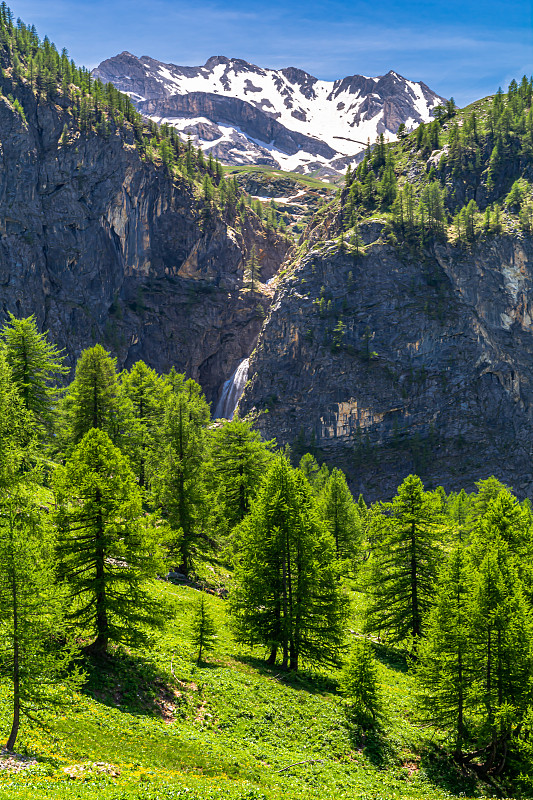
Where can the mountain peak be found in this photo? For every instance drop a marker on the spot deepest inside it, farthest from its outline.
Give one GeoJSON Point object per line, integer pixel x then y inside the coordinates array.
{"type": "Point", "coordinates": [242, 113]}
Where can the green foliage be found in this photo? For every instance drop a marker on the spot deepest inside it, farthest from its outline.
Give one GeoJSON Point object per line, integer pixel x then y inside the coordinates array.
{"type": "Point", "coordinates": [253, 270]}
{"type": "Point", "coordinates": [203, 629]}
{"type": "Point", "coordinates": [444, 670]}
{"type": "Point", "coordinates": [106, 549]}
{"type": "Point", "coordinates": [92, 400]}
{"type": "Point", "coordinates": [481, 153]}
{"type": "Point", "coordinates": [315, 474]}
{"type": "Point", "coordinates": [340, 514]}
{"type": "Point", "coordinates": [34, 361]}
{"type": "Point", "coordinates": [178, 476]}
{"type": "Point", "coordinates": [146, 393]}
{"type": "Point", "coordinates": [360, 685]}
{"type": "Point", "coordinates": [34, 652]}
{"type": "Point", "coordinates": [287, 595]}
{"type": "Point", "coordinates": [17, 445]}
{"type": "Point", "coordinates": [238, 461]}
{"type": "Point", "coordinates": [405, 553]}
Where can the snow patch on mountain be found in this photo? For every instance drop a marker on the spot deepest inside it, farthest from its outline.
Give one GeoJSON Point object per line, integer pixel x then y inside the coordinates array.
{"type": "Point", "coordinates": [243, 113]}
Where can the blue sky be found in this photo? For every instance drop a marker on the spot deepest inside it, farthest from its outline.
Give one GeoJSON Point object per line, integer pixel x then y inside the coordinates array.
{"type": "Point", "coordinates": [460, 49]}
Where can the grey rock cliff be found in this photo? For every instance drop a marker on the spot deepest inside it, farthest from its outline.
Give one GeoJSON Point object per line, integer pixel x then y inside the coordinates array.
{"type": "Point", "coordinates": [102, 246]}
{"type": "Point", "coordinates": [431, 370]}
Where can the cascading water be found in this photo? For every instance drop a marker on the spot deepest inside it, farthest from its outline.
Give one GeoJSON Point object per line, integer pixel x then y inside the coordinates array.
{"type": "Point", "coordinates": [232, 391]}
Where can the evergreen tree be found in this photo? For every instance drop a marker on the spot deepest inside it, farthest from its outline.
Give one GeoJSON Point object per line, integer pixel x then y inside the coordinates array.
{"type": "Point", "coordinates": [404, 561]}
{"type": "Point", "coordinates": [177, 467]}
{"type": "Point", "coordinates": [316, 475]}
{"type": "Point", "coordinates": [92, 400]}
{"type": "Point", "coordinates": [203, 629]}
{"type": "Point", "coordinates": [34, 362]}
{"type": "Point", "coordinates": [34, 652]}
{"type": "Point", "coordinates": [501, 645]}
{"type": "Point", "coordinates": [238, 461]}
{"type": "Point", "coordinates": [16, 431]}
{"type": "Point", "coordinates": [444, 670]}
{"type": "Point", "coordinates": [147, 392]}
{"type": "Point", "coordinates": [360, 685]}
{"type": "Point", "coordinates": [287, 595]}
{"type": "Point", "coordinates": [253, 270]}
{"type": "Point", "coordinates": [340, 515]}
{"type": "Point", "coordinates": [106, 550]}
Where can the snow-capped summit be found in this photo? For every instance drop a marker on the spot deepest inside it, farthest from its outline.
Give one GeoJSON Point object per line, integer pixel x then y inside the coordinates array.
{"type": "Point", "coordinates": [244, 114]}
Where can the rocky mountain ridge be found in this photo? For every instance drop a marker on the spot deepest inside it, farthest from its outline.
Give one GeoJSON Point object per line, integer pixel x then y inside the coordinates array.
{"type": "Point", "coordinates": [242, 113]}
{"type": "Point", "coordinates": [401, 337]}
{"type": "Point", "coordinates": [104, 244]}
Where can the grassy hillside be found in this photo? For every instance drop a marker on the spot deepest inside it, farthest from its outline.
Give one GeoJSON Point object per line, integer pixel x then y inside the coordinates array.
{"type": "Point", "coordinates": [305, 180]}
{"type": "Point", "coordinates": [154, 725]}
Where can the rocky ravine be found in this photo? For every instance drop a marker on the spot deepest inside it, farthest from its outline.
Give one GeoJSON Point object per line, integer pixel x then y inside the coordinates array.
{"type": "Point", "coordinates": [101, 246]}
{"type": "Point", "coordinates": [432, 372]}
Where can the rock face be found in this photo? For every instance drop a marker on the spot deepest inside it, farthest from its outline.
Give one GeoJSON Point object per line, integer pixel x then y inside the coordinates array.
{"type": "Point", "coordinates": [410, 363]}
{"type": "Point", "coordinates": [243, 114]}
{"type": "Point", "coordinates": [102, 246]}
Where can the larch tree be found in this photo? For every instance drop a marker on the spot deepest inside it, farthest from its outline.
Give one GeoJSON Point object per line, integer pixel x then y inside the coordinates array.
{"type": "Point", "coordinates": [238, 462]}
{"type": "Point", "coordinates": [315, 474]}
{"type": "Point", "coordinates": [203, 629]}
{"type": "Point", "coordinates": [34, 363]}
{"type": "Point", "coordinates": [444, 669]}
{"type": "Point", "coordinates": [502, 652]}
{"type": "Point", "coordinates": [147, 392]}
{"type": "Point", "coordinates": [35, 650]}
{"type": "Point", "coordinates": [30, 606]}
{"type": "Point", "coordinates": [403, 566]}
{"type": "Point", "coordinates": [361, 687]}
{"type": "Point", "coordinates": [287, 595]}
{"type": "Point", "coordinates": [92, 400]}
{"type": "Point", "coordinates": [106, 551]}
{"type": "Point", "coordinates": [340, 514]}
{"type": "Point", "coordinates": [177, 470]}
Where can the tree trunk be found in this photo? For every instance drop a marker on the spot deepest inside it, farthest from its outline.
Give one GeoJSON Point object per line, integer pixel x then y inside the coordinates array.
{"type": "Point", "coordinates": [102, 623]}
{"type": "Point", "coordinates": [273, 654]}
{"type": "Point", "coordinates": [293, 664]}
{"type": "Point", "coordinates": [416, 631]}
{"type": "Point", "coordinates": [16, 666]}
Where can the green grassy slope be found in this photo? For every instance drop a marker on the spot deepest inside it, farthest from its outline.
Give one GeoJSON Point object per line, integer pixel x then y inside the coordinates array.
{"type": "Point", "coordinates": [305, 180]}
{"type": "Point", "coordinates": [155, 725]}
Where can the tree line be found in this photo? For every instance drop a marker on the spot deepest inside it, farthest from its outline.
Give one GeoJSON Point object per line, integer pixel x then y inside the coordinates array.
{"type": "Point", "coordinates": [468, 173]}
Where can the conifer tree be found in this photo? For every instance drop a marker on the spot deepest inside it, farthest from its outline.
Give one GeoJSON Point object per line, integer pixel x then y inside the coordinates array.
{"type": "Point", "coordinates": [34, 650]}
{"type": "Point", "coordinates": [501, 643]}
{"type": "Point", "coordinates": [253, 269]}
{"type": "Point", "coordinates": [316, 475]}
{"type": "Point", "coordinates": [92, 400]}
{"type": "Point", "coordinates": [203, 629]}
{"type": "Point", "coordinates": [16, 431]}
{"type": "Point", "coordinates": [178, 478]}
{"type": "Point", "coordinates": [147, 392]}
{"type": "Point", "coordinates": [404, 561]}
{"type": "Point", "coordinates": [34, 362]}
{"type": "Point", "coordinates": [287, 595]}
{"type": "Point", "coordinates": [445, 668]}
{"type": "Point", "coordinates": [360, 685]}
{"type": "Point", "coordinates": [238, 461]}
{"type": "Point", "coordinates": [340, 515]}
{"type": "Point", "coordinates": [106, 550]}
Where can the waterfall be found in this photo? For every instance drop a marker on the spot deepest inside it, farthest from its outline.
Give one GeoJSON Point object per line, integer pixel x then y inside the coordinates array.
{"type": "Point", "coordinates": [232, 392]}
